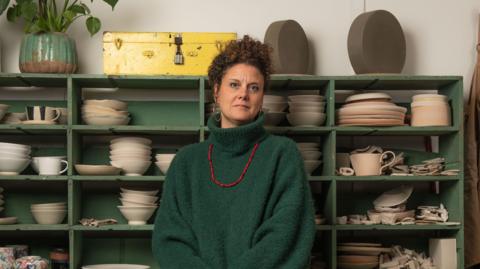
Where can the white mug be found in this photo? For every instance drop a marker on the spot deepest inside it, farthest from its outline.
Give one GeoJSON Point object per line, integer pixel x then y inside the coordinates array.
{"type": "Point", "coordinates": [51, 166]}
{"type": "Point", "coordinates": [35, 161]}
{"type": "Point", "coordinates": [369, 164]}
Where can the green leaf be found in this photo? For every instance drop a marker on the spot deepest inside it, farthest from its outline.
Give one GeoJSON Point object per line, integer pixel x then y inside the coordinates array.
{"type": "Point", "coordinates": [86, 8]}
{"type": "Point", "coordinates": [93, 25]}
{"type": "Point", "coordinates": [3, 5]}
{"type": "Point", "coordinates": [12, 13]}
{"type": "Point", "coordinates": [112, 3]}
{"type": "Point", "coordinates": [29, 10]}
{"type": "Point", "coordinates": [78, 9]}
{"type": "Point", "coordinates": [69, 15]}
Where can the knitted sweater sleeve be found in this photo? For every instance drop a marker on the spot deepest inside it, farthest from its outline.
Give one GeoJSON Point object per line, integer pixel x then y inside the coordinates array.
{"type": "Point", "coordinates": [285, 239]}
{"type": "Point", "coordinates": [174, 244]}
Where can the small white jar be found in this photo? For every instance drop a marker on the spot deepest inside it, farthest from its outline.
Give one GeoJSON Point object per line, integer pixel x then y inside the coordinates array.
{"type": "Point", "coordinates": [431, 113]}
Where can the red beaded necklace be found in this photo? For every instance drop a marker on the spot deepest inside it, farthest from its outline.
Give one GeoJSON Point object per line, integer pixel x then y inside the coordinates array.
{"type": "Point", "coordinates": [224, 185]}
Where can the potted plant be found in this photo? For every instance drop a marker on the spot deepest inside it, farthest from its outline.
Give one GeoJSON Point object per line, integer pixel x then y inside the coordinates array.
{"type": "Point", "coordinates": [45, 47]}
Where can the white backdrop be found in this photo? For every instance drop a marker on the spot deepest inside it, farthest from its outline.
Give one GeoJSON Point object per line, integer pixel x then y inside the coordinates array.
{"type": "Point", "coordinates": [441, 34]}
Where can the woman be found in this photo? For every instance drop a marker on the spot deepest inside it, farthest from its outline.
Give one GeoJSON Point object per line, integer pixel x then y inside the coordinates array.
{"type": "Point", "coordinates": [240, 199]}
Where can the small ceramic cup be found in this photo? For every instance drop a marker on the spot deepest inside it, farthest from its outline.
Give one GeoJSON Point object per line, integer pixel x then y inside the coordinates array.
{"type": "Point", "coordinates": [370, 164]}
{"type": "Point", "coordinates": [42, 113]}
{"type": "Point", "coordinates": [51, 166]}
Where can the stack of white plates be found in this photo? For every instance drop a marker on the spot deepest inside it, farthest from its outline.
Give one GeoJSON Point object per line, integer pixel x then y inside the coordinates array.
{"type": "Point", "coordinates": [274, 108]}
{"type": "Point", "coordinates": [131, 154]}
{"type": "Point", "coordinates": [49, 213]}
{"type": "Point", "coordinates": [370, 109]}
{"type": "Point", "coordinates": [306, 110]}
{"type": "Point", "coordinates": [105, 112]}
{"type": "Point", "coordinates": [14, 158]}
{"type": "Point", "coordinates": [163, 161]}
{"type": "Point", "coordinates": [137, 205]}
{"type": "Point", "coordinates": [14, 118]}
{"type": "Point", "coordinates": [311, 154]}
{"type": "Point", "coordinates": [3, 110]}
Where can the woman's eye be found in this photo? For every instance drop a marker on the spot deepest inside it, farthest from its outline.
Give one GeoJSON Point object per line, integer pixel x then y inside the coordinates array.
{"type": "Point", "coordinates": [233, 85]}
{"type": "Point", "coordinates": [254, 88]}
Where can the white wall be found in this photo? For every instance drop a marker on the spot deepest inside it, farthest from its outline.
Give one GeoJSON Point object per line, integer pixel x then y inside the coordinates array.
{"type": "Point", "coordinates": [441, 34]}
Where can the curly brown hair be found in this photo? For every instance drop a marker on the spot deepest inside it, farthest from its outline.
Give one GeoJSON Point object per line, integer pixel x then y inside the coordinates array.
{"type": "Point", "coordinates": [245, 50]}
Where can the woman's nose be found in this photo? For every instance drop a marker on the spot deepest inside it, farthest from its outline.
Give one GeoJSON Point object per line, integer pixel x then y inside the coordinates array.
{"type": "Point", "coordinates": [243, 92]}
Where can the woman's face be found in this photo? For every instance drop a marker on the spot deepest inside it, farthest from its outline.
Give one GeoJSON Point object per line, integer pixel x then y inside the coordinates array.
{"type": "Point", "coordinates": [240, 95]}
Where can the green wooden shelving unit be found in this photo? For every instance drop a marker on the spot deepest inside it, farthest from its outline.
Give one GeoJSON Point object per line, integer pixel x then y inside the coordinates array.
{"type": "Point", "coordinates": [173, 124]}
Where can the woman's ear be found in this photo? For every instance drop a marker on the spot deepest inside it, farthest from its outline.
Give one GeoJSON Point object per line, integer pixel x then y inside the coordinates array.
{"type": "Point", "coordinates": [215, 92]}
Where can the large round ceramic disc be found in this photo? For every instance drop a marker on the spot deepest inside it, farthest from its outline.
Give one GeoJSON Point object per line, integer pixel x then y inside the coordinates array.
{"type": "Point", "coordinates": [376, 43]}
{"type": "Point", "coordinates": [290, 47]}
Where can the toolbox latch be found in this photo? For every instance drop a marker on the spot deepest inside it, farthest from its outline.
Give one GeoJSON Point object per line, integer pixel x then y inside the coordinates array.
{"type": "Point", "coordinates": [178, 54]}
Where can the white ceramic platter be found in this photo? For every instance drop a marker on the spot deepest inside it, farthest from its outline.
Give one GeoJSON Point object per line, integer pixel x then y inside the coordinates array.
{"type": "Point", "coordinates": [8, 220]}
{"type": "Point", "coordinates": [367, 96]}
{"type": "Point", "coordinates": [394, 197]}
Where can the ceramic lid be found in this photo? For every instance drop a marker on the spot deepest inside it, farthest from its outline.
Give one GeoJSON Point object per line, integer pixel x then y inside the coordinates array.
{"type": "Point", "coordinates": [367, 96]}
{"type": "Point", "coordinates": [394, 197]}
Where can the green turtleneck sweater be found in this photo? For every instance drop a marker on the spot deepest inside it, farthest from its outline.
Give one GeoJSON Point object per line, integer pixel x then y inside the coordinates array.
{"type": "Point", "coordinates": [266, 221]}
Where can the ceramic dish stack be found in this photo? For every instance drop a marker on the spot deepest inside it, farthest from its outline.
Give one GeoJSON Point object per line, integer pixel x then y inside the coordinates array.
{"type": "Point", "coordinates": [306, 110]}
{"type": "Point", "coordinates": [390, 207]}
{"type": "Point", "coordinates": [49, 213]}
{"type": "Point", "coordinates": [105, 112]}
{"type": "Point", "coordinates": [3, 110]}
{"type": "Point", "coordinates": [14, 118]}
{"type": "Point", "coordinates": [370, 109]}
{"type": "Point", "coordinates": [359, 255]}
{"type": "Point", "coordinates": [97, 170]}
{"type": "Point", "coordinates": [311, 154]}
{"type": "Point", "coordinates": [430, 110]}
{"type": "Point", "coordinates": [14, 158]}
{"type": "Point", "coordinates": [131, 154]}
{"type": "Point", "coordinates": [138, 206]}
{"type": "Point", "coordinates": [274, 108]}
{"type": "Point", "coordinates": [163, 161]}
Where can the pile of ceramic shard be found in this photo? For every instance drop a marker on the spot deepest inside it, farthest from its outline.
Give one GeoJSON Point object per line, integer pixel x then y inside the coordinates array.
{"type": "Point", "coordinates": [405, 258]}
{"type": "Point", "coordinates": [432, 167]}
{"type": "Point", "coordinates": [432, 214]}
{"type": "Point", "coordinates": [390, 207]}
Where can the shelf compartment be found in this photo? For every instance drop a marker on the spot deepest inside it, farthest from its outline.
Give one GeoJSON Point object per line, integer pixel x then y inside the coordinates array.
{"type": "Point", "coordinates": [360, 227]}
{"type": "Point", "coordinates": [32, 129]}
{"type": "Point", "coordinates": [393, 82]}
{"type": "Point", "coordinates": [396, 178]}
{"type": "Point", "coordinates": [163, 129]}
{"type": "Point", "coordinates": [35, 227]}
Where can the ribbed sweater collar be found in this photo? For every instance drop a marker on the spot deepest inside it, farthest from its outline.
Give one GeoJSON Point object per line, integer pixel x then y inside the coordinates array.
{"type": "Point", "coordinates": [238, 139]}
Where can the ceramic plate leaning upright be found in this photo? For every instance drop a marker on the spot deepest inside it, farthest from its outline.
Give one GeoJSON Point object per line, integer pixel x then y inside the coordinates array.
{"type": "Point", "coordinates": [116, 266]}
{"type": "Point", "coordinates": [394, 197]}
{"type": "Point", "coordinates": [8, 220]}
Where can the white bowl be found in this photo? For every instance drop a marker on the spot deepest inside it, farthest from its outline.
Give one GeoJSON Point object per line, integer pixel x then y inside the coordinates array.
{"type": "Point", "coordinates": [87, 113]}
{"type": "Point", "coordinates": [310, 166]}
{"type": "Point", "coordinates": [130, 157]}
{"type": "Point", "coordinates": [85, 169]}
{"type": "Point", "coordinates": [114, 104]}
{"type": "Point", "coordinates": [163, 166]}
{"type": "Point", "coordinates": [128, 202]}
{"type": "Point", "coordinates": [50, 204]}
{"type": "Point", "coordinates": [306, 98]}
{"type": "Point", "coordinates": [306, 119]}
{"type": "Point", "coordinates": [13, 146]}
{"type": "Point", "coordinates": [36, 208]}
{"type": "Point", "coordinates": [429, 97]}
{"type": "Point", "coordinates": [165, 157]}
{"type": "Point", "coordinates": [139, 198]}
{"type": "Point", "coordinates": [305, 104]}
{"type": "Point", "coordinates": [11, 166]}
{"type": "Point", "coordinates": [274, 118]}
{"type": "Point", "coordinates": [308, 145]}
{"type": "Point", "coordinates": [132, 167]}
{"type": "Point", "coordinates": [14, 155]}
{"type": "Point", "coordinates": [137, 215]}
{"type": "Point", "coordinates": [105, 120]}
{"type": "Point", "coordinates": [142, 192]}
{"type": "Point", "coordinates": [45, 216]}
{"type": "Point", "coordinates": [319, 109]}
{"type": "Point", "coordinates": [129, 146]}
{"type": "Point", "coordinates": [274, 98]}
{"type": "Point", "coordinates": [275, 106]}
{"type": "Point", "coordinates": [131, 140]}
{"type": "Point", "coordinates": [133, 153]}
{"type": "Point", "coordinates": [311, 154]}
{"type": "Point", "coordinates": [19, 152]}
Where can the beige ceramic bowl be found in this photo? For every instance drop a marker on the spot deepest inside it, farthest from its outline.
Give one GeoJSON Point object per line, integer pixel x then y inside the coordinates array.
{"type": "Point", "coordinates": [163, 166]}
{"type": "Point", "coordinates": [49, 216]}
{"type": "Point", "coordinates": [318, 109]}
{"type": "Point", "coordinates": [310, 166]}
{"type": "Point", "coordinates": [306, 98]}
{"type": "Point", "coordinates": [306, 104]}
{"type": "Point", "coordinates": [429, 97]}
{"type": "Point", "coordinates": [311, 155]}
{"type": "Point", "coordinates": [91, 170]}
{"type": "Point", "coordinates": [130, 157]}
{"type": "Point", "coordinates": [275, 106]}
{"type": "Point", "coordinates": [308, 145]}
{"type": "Point", "coordinates": [132, 167]}
{"type": "Point", "coordinates": [127, 202]}
{"type": "Point", "coordinates": [129, 146]}
{"type": "Point", "coordinates": [105, 120]}
{"type": "Point", "coordinates": [165, 157]}
{"type": "Point", "coordinates": [137, 215]}
{"type": "Point", "coordinates": [431, 114]}
{"type": "Point", "coordinates": [13, 166]}
{"type": "Point", "coordinates": [114, 104]}
{"type": "Point", "coordinates": [131, 140]}
{"type": "Point", "coordinates": [139, 198]}
{"type": "Point", "coordinates": [142, 192]}
{"type": "Point", "coordinates": [306, 118]}
{"type": "Point", "coordinates": [274, 98]}
{"type": "Point", "coordinates": [133, 152]}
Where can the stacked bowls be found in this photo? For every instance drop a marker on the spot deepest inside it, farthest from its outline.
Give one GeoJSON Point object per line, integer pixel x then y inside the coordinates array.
{"type": "Point", "coordinates": [14, 118]}
{"type": "Point", "coordinates": [274, 108]}
{"type": "Point", "coordinates": [163, 161]}
{"type": "Point", "coordinates": [3, 110]}
{"type": "Point", "coordinates": [430, 110]}
{"type": "Point", "coordinates": [49, 213]}
{"type": "Point", "coordinates": [105, 112]}
{"type": "Point", "coordinates": [138, 206]}
{"type": "Point", "coordinates": [306, 110]}
{"type": "Point", "coordinates": [14, 158]}
{"type": "Point", "coordinates": [311, 155]}
{"type": "Point", "coordinates": [370, 109]}
{"type": "Point", "coordinates": [131, 154]}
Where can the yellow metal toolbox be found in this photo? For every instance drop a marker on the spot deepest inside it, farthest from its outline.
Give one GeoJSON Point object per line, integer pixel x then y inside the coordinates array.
{"type": "Point", "coordinates": [153, 53]}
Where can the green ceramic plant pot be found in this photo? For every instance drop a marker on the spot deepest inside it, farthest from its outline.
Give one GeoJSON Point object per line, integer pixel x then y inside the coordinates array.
{"type": "Point", "coordinates": [48, 53]}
